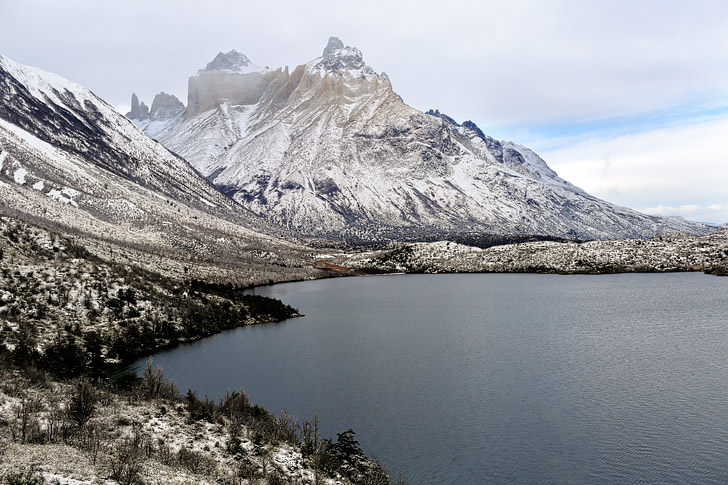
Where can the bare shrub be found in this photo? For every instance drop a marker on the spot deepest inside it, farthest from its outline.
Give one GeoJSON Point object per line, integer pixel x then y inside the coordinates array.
{"type": "Point", "coordinates": [55, 420]}
{"type": "Point", "coordinates": [154, 385]}
{"type": "Point", "coordinates": [195, 461]}
{"type": "Point", "coordinates": [91, 441]}
{"type": "Point", "coordinates": [127, 460]}
{"type": "Point", "coordinates": [164, 453]}
{"type": "Point", "coordinates": [25, 426]}
{"type": "Point", "coordinates": [286, 428]}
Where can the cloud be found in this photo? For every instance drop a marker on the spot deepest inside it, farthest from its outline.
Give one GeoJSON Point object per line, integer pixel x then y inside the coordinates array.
{"type": "Point", "coordinates": [713, 213]}
{"type": "Point", "coordinates": [123, 108]}
{"type": "Point", "coordinates": [678, 170]}
{"type": "Point", "coordinates": [494, 62]}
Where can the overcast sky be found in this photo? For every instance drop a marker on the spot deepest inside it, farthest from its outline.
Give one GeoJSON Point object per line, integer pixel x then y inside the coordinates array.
{"type": "Point", "coordinates": [626, 99]}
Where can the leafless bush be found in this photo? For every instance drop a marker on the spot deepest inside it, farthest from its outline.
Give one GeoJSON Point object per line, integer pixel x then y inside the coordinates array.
{"type": "Point", "coordinates": [25, 426]}
{"type": "Point", "coordinates": [127, 460]}
{"type": "Point", "coordinates": [235, 405]}
{"type": "Point", "coordinates": [164, 453]}
{"type": "Point", "coordinates": [195, 461]}
{"type": "Point", "coordinates": [155, 385]}
{"type": "Point", "coordinates": [286, 428]}
{"type": "Point", "coordinates": [91, 441]}
{"type": "Point", "coordinates": [55, 420]}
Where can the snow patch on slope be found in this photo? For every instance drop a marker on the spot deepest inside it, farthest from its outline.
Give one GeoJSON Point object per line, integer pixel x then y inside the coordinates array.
{"type": "Point", "coordinates": [64, 195]}
{"type": "Point", "coordinates": [19, 176]}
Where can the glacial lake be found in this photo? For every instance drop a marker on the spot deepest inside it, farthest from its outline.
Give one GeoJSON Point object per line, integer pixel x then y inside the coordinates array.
{"type": "Point", "coordinates": [495, 378]}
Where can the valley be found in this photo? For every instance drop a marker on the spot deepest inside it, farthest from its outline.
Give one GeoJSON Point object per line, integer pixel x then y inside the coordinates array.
{"type": "Point", "coordinates": [122, 237]}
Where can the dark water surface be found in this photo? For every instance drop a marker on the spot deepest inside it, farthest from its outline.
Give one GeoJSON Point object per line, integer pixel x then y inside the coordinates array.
{"type": "Point", "coordinates": [495, 378]}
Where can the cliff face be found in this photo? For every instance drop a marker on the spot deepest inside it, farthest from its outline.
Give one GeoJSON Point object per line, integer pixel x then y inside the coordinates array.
{"type": "Point", "coordinates": [329, 149]}
{"type": "Point", "coordinates": [231, 78]}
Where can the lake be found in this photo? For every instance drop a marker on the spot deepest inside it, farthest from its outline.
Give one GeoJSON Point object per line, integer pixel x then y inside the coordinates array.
{"type": "Point", "coordinates": [495, 378]}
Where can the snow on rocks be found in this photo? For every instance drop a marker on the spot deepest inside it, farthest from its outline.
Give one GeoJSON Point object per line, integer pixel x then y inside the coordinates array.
{"type": "Point", "coordinates": [19, 176]}
{"type": "Point", "coordinates": [64, 195]}
{"type": "Point", "coordinates": [666, 252]}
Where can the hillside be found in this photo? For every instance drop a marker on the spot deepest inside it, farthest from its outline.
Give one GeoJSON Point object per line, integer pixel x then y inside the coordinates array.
{"type": "Point", "coordinates": [70, 163]}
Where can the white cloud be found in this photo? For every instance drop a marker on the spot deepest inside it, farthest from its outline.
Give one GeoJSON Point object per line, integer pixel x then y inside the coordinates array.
{"type": "Point", "coordinates": [714, 213]}
{"type": "Point", "coordinates": [680, 170]}
{"type": "Point", "coordinates": [494, 62]}
{"type": "Point", "coordinates": [123, 108]}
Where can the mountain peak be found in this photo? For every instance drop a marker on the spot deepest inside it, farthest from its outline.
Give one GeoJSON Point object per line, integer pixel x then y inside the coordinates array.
{"type": "Point", "coordinates": [337, 56]}
{"type": "Point", "coordinates": [334, 45]}
{"type": "Point", "coordinates": [232, 61]}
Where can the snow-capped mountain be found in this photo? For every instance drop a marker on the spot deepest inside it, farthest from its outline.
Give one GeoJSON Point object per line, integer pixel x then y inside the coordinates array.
{"type": "Point", "coordinates": [330, 149]}
{"type": "Point", "coordinates": [70, 162]}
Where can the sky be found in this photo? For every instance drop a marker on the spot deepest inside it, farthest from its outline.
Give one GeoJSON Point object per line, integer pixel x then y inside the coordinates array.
{"type": "Point", "coordinates": [626, 99]}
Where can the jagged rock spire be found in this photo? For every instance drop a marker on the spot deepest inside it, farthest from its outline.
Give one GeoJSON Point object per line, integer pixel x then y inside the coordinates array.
{"type": "Point", "coordinates": [333, 45]}
{"type": "Point", "coordinates": [336, 56]}
{"type": "Point", "coordinates": [165, 106]}
{"type": "Point", "coordinates": [139, 111]}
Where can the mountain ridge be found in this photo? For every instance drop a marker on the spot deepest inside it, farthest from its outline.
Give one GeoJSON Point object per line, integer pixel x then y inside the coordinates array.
{"type": "Point", "coordinates": [329, 149]}
{"type": "Point", "coordinates": [71, 163]}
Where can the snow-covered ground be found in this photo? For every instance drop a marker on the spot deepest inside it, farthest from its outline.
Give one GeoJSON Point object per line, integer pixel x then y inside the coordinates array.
{"type": "Point", "coordinates": [665, 252]}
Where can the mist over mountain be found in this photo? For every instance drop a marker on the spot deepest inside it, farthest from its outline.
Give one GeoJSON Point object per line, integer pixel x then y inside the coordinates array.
{"type": "Point", "coordinates": [330, 149]}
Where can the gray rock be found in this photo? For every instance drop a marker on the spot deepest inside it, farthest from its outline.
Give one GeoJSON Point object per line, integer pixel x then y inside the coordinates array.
{"type": "Point", "coordinates": [339, 57]}
{"type": "Point", "coordinates": [165, 106]}
{"type": "Point", "coordinates": [232, 61]}
{"type": "Point", "coordinates": [334, 45]}
{"type": "Point", "coordinates": [138, 111]}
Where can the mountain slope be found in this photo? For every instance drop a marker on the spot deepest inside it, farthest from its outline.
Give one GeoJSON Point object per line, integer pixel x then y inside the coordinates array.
{"type": "Point", "coordinates": [330, 149]}
{"type": "Point", "coordinates": [70, 162]}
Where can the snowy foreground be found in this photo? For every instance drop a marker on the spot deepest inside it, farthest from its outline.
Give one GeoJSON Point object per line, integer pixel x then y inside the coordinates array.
{"type": "Point", "coordinates": [135, 438]}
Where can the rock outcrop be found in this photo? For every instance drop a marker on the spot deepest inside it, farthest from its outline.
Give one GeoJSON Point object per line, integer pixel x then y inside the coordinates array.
{"type": "Point", "coordinates": [165, 106]}
{"type": "Point", "coordinates": [139, 111]}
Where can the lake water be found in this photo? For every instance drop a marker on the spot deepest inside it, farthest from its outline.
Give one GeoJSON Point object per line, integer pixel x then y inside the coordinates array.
{"type": "Point", "coordinates": [495, 378]}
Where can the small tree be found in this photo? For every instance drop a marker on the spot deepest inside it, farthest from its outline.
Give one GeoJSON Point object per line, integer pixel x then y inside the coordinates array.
{"type": "Point", "coordinates": [155, 385]}
{"type": "Point", "coordinates": [82, 404]}
{"type": "Point", "coordinates": [25, 426]}
{"type": "Point", "coordinates": [347, 448]}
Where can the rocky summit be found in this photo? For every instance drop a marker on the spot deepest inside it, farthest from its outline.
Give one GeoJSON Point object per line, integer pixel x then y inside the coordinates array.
{"type": "Point", "coordinates": [330, 149]}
